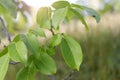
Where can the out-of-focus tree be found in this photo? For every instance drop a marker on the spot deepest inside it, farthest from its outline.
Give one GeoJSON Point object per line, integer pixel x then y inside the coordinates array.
{"type": "Point", "coordinates": [110, 5]}
{"type": "Point", "coordinates": [26, 49]}
{"type": "Point", "coordinates": [102, 5]}
{"type": "Point", "coordinates": [21, 22]}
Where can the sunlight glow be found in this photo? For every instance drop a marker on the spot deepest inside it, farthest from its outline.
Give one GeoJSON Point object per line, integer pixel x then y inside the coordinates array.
{"type": "Point", "coordinates": [40, 3]}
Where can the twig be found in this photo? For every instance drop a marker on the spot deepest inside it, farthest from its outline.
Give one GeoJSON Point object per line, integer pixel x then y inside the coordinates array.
{"type": "Point", "coordinates": [8, 36]}
{"type": "Point", "coordinates": [69, 75]}
{"type": "Point", "coordinates": [51, 29]}
{"type": "Point", "coordinates": [14, 63]}
{"type": "Point", "coordinates": [5, 29]}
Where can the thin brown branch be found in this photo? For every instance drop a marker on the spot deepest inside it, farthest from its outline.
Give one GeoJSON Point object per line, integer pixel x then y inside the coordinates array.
{"type": "Point", "coordinates": [69, 75]}
{"type": "Point", "coordinates": [52, 31]}
{"type": "Point", "coordinates": [5, 29]}
{"type": "Point", "coordinates": [8, 36]}
{"type": "Point", "coordinates": [13, 63]}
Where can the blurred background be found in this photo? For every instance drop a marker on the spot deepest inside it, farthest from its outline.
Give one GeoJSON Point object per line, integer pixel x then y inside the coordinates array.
{"type": "Point", "coordinates": [100, 45]}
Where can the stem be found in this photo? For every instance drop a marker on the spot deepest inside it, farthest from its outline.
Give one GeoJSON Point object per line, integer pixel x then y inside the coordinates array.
{"type": "Point", "coordinates": [8, 36]}
{"type": "Point", "coordinates": [69, 75]}
{"type": "Point", "coordinates": [51, 29]}
{"type": "Point", "coordinates": [5, 29]}
{"type": "Point", "coordinates": [14, 63]}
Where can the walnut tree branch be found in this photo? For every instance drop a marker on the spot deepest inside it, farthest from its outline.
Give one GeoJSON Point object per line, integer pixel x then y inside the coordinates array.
{"type": "Point", "coordinates": [69, 75]}
{"type": "Point", "coordinates": [5, 29]}
{"type": "Point", "coordinates": [8, 36]}
{"type": "Point", "coordinates": [51, 29]}
{"type": "Point", "coordinates": [14, 63]}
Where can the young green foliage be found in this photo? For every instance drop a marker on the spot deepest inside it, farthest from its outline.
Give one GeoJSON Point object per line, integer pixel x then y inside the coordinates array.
{"type": "Point", "coordinates": [69, 11]}
{"type": "Point", "coordinates": [27, 73]}
{"type": "Point", "coordinates": [45, 64]}
{"type": "Point", "coordinates": [72, 52]}
{"type": "Point", "coordinates": [58, 17]}
{"type": "Point", "coordinates": [25, 48]}
{"type": "Point", "coordinates": [4, 51]}
{"type": "Point", "coordinates": [38, 32]}
{"type": "Point", "coordinates": [31, 42]}
{"type": "Point", "coordinates": [60, 4]}
{"type": "Point", "coordinates": [56, 40]}
{"type": "Point", "coordinates": [4, 61]}
{"type": "Point", "coordinates": [9, 6]}
{"type": "Point", "coordinates": [90, 11]}
{"type": "Point", "coordinates": [43, 17]}
{"type": "Point", "coordinates": [79, 15]}
{"type": "Point", "coordinates": [18, 52]}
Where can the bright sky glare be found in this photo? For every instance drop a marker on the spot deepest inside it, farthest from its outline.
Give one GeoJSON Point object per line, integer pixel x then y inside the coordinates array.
{"type": "Point", "coordinates": [40, 3]}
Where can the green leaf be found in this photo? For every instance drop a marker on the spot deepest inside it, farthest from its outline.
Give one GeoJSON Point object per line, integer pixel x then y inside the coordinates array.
{"type": "Point", "coordinates": [46, 64]}
{"type": "Point", "coordinates": [4, 62]}
{"type": "Point", "coordinates": [71, 52]}
{"type": "Point", "coordinates": [30, 41]}
{"type": "Point", "coordinates": [60, 4]}
{"type": "Point", "coordinates": [50, 51]}
{"type": "Point", "coordinates": [93, 13]}
{"type": "Point", "coordinates": [70, 15]}
{"type": "Point", "coordinates": [56, 40]}
{"type": "Point", "coordinates": [33, 44]}
{"type": "Point", "coordinates": [4, 11]}
{"type": "Point", "coordinates": [10, 6]}
{"type": "Point", "coordinates": [22, 37]}
{"type": "Point", "coordinates": [59, 16]}
{"type": "Point", "coordinates": [27, 73]}
{"type": "Point", "coordinates": [22, 50]}
{"type": "Point", "coordinates": [38, 32]}
{"type": "Point", "coordinates": [18, 37]}
{"type": "Point", "coordinates": [77, 6]}
{"type": "Point", "coordinates": [44, 16]}
{"type": "Point", "coordinates": [4, 51]}
{"type": "Point", "coordinates": [90, 11]}
{"type": "Point", "coordinates": [47, 49]}
{"type": "Point", "coordinates": [79, 16]}
{"type": "Point", "coordinates": [18, 51]}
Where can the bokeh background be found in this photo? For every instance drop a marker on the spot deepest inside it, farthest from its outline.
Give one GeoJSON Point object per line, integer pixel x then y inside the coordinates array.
{"type": "Point", "coordinates": [100, 45]}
